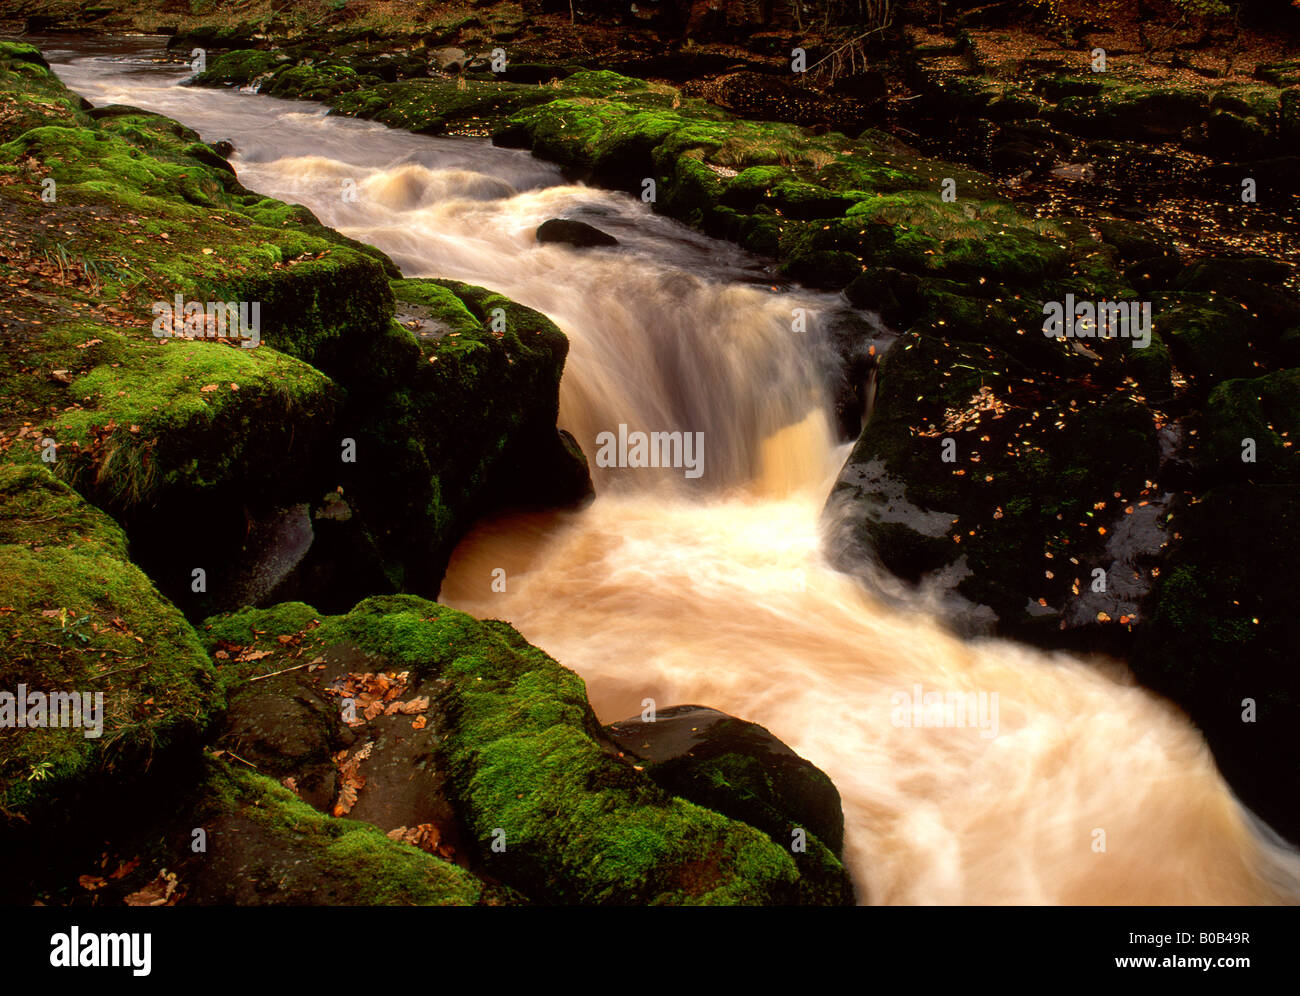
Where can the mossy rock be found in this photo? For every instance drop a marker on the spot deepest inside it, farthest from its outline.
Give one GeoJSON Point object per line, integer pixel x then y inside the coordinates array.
{"type": "Point", "coordinates": [1221, 640]}
{"type": "Point", "coordinates": [1016, 257]}
{"type": "Point", "coordinates": [740, 770]}
{"type": "Point", "coordinates": [31, 95]}
{"type": "Point", "coordinates": [266, 847]}
{"type": "Point", "coordinates": [318, 81]}
{"type": "Point", "coordinates": [1012, 493]}
{"type": "Point", "coordinates": [240, 68]}
{"type": "Point", "coordinates": [1136, 112]}
{"type": "Point", "coordinates": [1211, 339]}
{"type": "Point", "coordinates": [500, 389]}
{"type": "Point", "coordinates": [1257, 282]}
{"type": "Point", "coordinates": [1263, 409]}
{"type": "Point", "coordinates": [1239, 136]}
{"type": "Point", "coordinates": [159, 429]}
{"type": "Point", "coordinates": [830, 269]}
{"type": "Point", "coordinates": [720, 174]}
{"type": "Point", "coordinates": [142, 417]}
{"type": "Point", "coordinates": [81, 618]}
{"type": "Point", "coordinates": [529, 768]}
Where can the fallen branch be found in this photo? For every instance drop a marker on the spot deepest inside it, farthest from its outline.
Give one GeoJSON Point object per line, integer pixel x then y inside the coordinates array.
{"type": "Point", "coordinates": [274, 673]}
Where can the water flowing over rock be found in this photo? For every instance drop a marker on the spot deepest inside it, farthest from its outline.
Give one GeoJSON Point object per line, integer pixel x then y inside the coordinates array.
{"type": "Point", "coordinates": [574, 233]}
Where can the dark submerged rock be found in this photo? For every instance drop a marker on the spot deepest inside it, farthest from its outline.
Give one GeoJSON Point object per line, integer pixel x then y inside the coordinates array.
{"type": "Point", "coordinates": [574, 233]}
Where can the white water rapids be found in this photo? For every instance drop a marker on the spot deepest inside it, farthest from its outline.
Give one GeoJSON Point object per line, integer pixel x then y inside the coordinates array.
{"type": "Point", "coordinates": [719, 594]}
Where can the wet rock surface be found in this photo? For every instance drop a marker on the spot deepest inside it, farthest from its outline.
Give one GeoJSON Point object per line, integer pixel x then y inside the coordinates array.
{"type": "Point", "coordinates": [736, 767]}
{"type": "Point", "coordinates": [574, 233]}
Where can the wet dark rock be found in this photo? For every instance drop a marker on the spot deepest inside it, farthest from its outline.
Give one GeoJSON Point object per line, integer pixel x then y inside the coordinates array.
{"type": "Point", "coordinates": [826, 269]}
{"type": "Point", "coordinates": [449, 60]}
{"type": "Point", "coordinates": [977, 528]}
{"type": "Point", "coordinates": [1221, 641]}
{"type": "Point", "coordinates": [687, 748]}
{"type": "Point", "coordinates": [265, 847]}
{"type": "Point", "coordinates": [1255, 281]}
{"type": "Point", "coordinates": [574, 233]}
{"type": "Point", "coordinates": [893, 294]}
{"type": "Point", "coordinates": [850, 340]}
{"type": "Point", "coordinates": [284, 727]}
{"type": "Point", "coordinates": [741, 770]}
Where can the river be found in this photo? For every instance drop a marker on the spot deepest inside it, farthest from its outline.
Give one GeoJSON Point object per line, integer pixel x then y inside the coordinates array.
{"type": "Point", "coordinates": [716, 590]}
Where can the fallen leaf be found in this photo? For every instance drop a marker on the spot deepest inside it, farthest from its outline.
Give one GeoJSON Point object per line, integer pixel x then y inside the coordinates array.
{"type": "Point", "coordinates": [160, 892]}
{"type": "Point", "coordinates": [126, 868]}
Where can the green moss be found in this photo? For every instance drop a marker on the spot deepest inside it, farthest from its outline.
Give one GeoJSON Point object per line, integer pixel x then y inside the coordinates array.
{"type": "Point", "coordinates": [304, 857]}
{"type": "Point", "coordinates": [1263, 409]}
{"type": "Point", "coordinates": [31, 95]}
{"type": "Point", "coordinates": [621, 131]}
{"type": "Point", "coordinates": [143, 416]}
{"type": "Point", "coordinates": [38, 510]}
{"type": "Point", "coordinates": [81, 618]}
{"type": "Point", "coordinates": [578, 825]}
{"type": "Point", "coordinates": [240, 68]}
{"type": "Point", "coordinates": [317, 81]}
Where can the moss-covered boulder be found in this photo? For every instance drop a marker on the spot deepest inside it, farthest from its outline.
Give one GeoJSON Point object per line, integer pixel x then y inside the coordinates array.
{"type": "Point", "coordinates": [1221, 640]}
{"type": "Point", "coordinates": [242, 67]}
{"type": "Point", "coordinates": [32, 96]}
{"type": "Point", "coordinates": [1249, 429]}
{"type": "Point", "coordinates": [1005, 485]}
{"type": "Point", "coordinates": [266, 847]}
{"type": "Point", "coordinates": [254, 435]}
{"type": "Point", "coordinates": [465, 420]}
{"type": "Point", "coordinates": [740, 770]}
{"type": "Point", "coordinates": [547, 805]}
{"type": "Point", "coordinates": [139, 417]}
{"type": "Point", "coordinates": [126, 692]}
{"type": "Point", "coordinates": [1210, 338]}
{"type": "Point", "coordinates": [770, 185]}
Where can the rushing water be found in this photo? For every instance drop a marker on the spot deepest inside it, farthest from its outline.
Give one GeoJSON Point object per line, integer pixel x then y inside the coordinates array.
{"type": "Point", "coordinates": [716, 591]}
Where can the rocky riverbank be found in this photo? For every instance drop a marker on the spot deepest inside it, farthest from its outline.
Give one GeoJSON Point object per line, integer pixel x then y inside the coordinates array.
{"type": "Point", "coordinates": [1052, 489]}
{"type": "Point", "coordinates": [382, 749]}
{"type": "Point", "coordinates": [1131, 495]}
